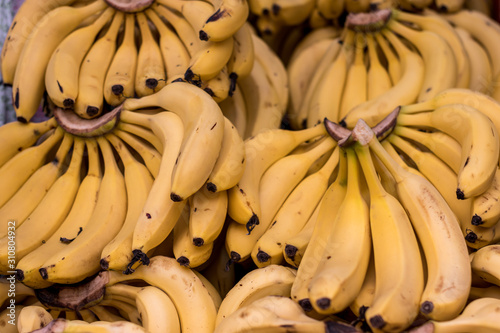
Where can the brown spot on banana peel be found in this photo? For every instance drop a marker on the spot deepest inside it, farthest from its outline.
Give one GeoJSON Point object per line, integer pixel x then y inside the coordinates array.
{"type": "Point", "coordinates": [129, 6]}
{"type": "Point", "coordinates": [72, 123]}
{"type": "Point", "coordinates": [368, 22]}
{"type": "Point", "coordinates": [74, 297]}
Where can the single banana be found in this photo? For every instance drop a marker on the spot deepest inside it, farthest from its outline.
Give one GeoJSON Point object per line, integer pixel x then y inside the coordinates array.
{"type": "Point", "coordinates": [438, 231]}
{"type": "Point", "coordinates": [117, 254]}
{"type": "Point", "coordinates": [203, 122]}
{"type": "Point", "coordinates": [72, 226]}
{"type": "Point", "coordinates": [119, 82]}
{"type": "Point", "coordinates": [150, 76]}
{"type": "Point", "coordinates": [32, 318]}
{"type": "Point", "coordinates": [478, 237]}
{"type": "Point", "coordinates": [485, 264]}
{"type": "Point", "coordinates": [50, 212]}
{"type": "Point", "coordinates": [449, 6]}
{"type": "Point", "coordinates": [24, 22]}
{"type": "Point", "coordinates": [72, 264]}
{"type": "Point", "coordinates": [157, 311]}
{"type": "Point", "coordinates": [479, 143]}
{"type": "Point", "coordinates": [182, 285]}
{"type": "Point", "coordinates": [218, 87]}
{"type": "Point", "coordinates": [273, 280]}
{"type": "Point", "coordinates": [399, 276]}
{"type": "Point", "coordinates": [485, 211]}
{"type": "Point", "coordinates": [228, 17]}
{"type": "Point", "coordinates": [367, 293]}
{"type": "Point", "coordinates": [243, 57]}
{"type": "Point", "coordinates": [378, 78]}
{"type": "Point", "coordinates": [330, 9]}
{"type": "Point", "coordinates": [28, 85]}
{"type": "Point", "coordinates": [63, 69]}
{"type": "Point", "coordinates": [20, 167]}
{"type": "Point", "coordinates": [143, 133]}
{"type": "Point", "coordinates": [492, 291]}
{"type": "Point", "coordinates": [235, 110]}
{"type": "Point", "coordinates": [209, 60]}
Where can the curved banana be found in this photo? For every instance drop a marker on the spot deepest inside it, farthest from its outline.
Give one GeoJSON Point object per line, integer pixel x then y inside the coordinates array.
{"type": "Point", "coordinates": [32, 318]}
{"type": "Point", "coordinates": [485, 210]}
{"type": "Point", "coordinates": [117, 254]}
{"type": "Point", "coordinates": [228, 17]}
{"type": "Point", "coordinates": [141, 132]}
{"type": "Point", "coordinates": [485, 264]}
{"type": "Point", "coordinates": [203, 122]}
{"type": "Point", "coordinates": [182, 285]}
{"type": "Point", "coordinates": [449, 6]}
{"type": "Point", "coordinates": [73, 264]}
{"type": "Point", "coordinates": [378, 78]}
{"type": "Point", "coordinates": [63, 69]}
{"type": "Point", "coordinates": [157, 311]}
{"type": "Point", "coordinates": [243, 57]}
{"type": "Point", "coordinates": [90, 100]}
{"type": "Point", "coordinates": [478, 237]}
{"type": "Point", "coordinates": [119, 82]}
{"type": "Point", "coordinates": [23, 23]}
{"type": "Point", "coordinates": [71, 228]}
{"type": "Point", "coordinates": [209, 60]}
{"type": "Point", "coordinates": [235, 110]}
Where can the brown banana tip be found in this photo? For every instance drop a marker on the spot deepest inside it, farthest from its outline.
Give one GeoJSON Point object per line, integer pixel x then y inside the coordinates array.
{"type": "Point", "coordinates": [117, 89]}
{"type": "Point", "coordinates": [183, 261]}
{"type": "Point", "coordinates": [104, 264]}
{"type": "Point", "coordinates": [151, 83]}
{"type": "Point", "coordinates": [138, 255]}
{"type": "Point", "coordinates": [68, 103]}
{"type": "Point", "coordinates": [22, 120]}
{"type": "Point", "coordinates": [368, 22]}
{"type": "Point", "coordinates": [305, 304]}
{"type": "Point", "coordinates": [426, 307]}
{"type": "Point", "coordinates": [175, 197]}
{"type": "Point", "coordinates": [233, 78]}
{"type": "Point", "coordinates": [43, 273]}
{"type": "Point", "coordinates": [460, 194]}
{"type": "Point", "coordinates": [197, 241]}
{"type": "Point", "coordinates": [263, 256]}
{"type": "Point", "coordinates": [471, 237]}
{"type": "Point", "coordinates": [443, 9]}
{"type": "Point", "coordinates": [203, 36]}
{"type": "Point", "coordinates": [291, 251]}
{"type": "Point", "coordinates": [92, 111]}
{"type": "Point", "coordinates": [254, 220]}
{"type": "Point", "coordinates": [337, 132]}
{"type": "Point", "coordinates": [476, 220]}
{"type": "Point", "coordinates": [323, 303]}
{"type": "Point", "coordinates": [275, 8]}
{"type": "Point", "coordinates": [189, 75]}
{"type": "Point", "coordinates": [129, 6]}
{"type": "Point", "coordinates": [386, 125]}
{"type": "Point", "coordinates": [235, 256]}
{"type": "Point", "coordinates": [211, 187]}
{"type": "Point", "coordinates": [377, 322]}
{"type": "Point", "coordinates": [19, 275]}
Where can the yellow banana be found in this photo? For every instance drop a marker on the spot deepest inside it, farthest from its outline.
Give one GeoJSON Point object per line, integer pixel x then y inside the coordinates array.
{"type": "Point", "coordinates": [235, 110]}
{"type": "Point", "coordinates": [157, 311]}
{"type": "Point", "coordinates": [485, 264]}
{"type": "Point", "coordinates": [228, 17]}
{"type": "Point", "coordinates": [143, 133]}
{"type": "Point", "coordinates": [485, 211]}
{"type": "Point", "coordinates": [242, 59]}
{"type": "Point", "coordinates": [378, 78]}
{"type": "Point", "coordinates": [449, 6]}
{"type": "Point", "coordinates": [330, 9]}
{"type": "Point", "coordinates": [357, 6]}
{"type": "Point", "coordinates": [218, 86]}
{"type": "Point", "coordinates": [32, 318]}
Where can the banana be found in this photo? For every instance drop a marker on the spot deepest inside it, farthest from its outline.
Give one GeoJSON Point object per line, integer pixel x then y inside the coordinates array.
{"type": "Point", "coordinates": [449, 6]}
{"type": "Point", "coordinates": [218, 86]}
{"type": "Point", "coordinates": [143, 133]}
{"type": "Point", "coordinates": [313, 37]}
{"type": "Point", "coordinates": [230, 164]}
{"type": "Point", "coordinates": [195, 12]}
{"type": "Point", "coordinates": [175, 55]}
{"type": "Point", "coordinates": [229, 16]}
{"type": "Point", "coordinates": [207, 215]}
{"type": "Point", "coordinates": [273, 280]}
{"type": "Point", "coordinates": [355, 90]}
{"type": "Point", "coordinates": [485, 31]}
{"type": "Point", "coordinates": [123, 305]}
{"type": "Point", "coordinates": [441, 27]}
{"type": "Point", "coordinates": [243, 57]}
{"type": "Point", "coordinates": [330, 9]}
{"type": "Point", "coordinates": [50, 212]}
{"type": "Point", "coordinates": [292, 13]}
{"type": "Point", "coordinates": [295, 246]}
{"type": "Point", "coordinates": [72, 264]}
{"type": "Point", "coordinates": [440, 72]}
{"type": "Point", "coordinates": [157, 311]}
{"type": "Point", "coordinates": [438, 232]}
{"type": "Point", "coordinates": [159, 213]}
{"type": "Point", "coordinates": [17, 136]}
{"type": "Point", "coordinates": [263, 105]}
{"type": "Point", "coordinates": [440, 144]}
{"type": "Point", "coordinates": [65, 325]}
{"type": "Point", "coordinates": [480, 139]}
{"type": "Point", "coordinates": [119, 82]}
{"type": "Point", "coordinates": [275, 186]}
{"type": "Point", "coordinates": [439, 174]}
{"type": "Point", "coordinates": [28, 85]}
{"type": "Point", "coordinates": [367, 293]}
{"type": "Point", "coordinates": [485, 211]}
{"type": "Point", "coordinates": [138, 181]}
{"type": "Point", "coordinates": [20, 167]}
{"type": "Point", "coordinates": [404, 92]}
{"type": "Point", "coordinates": [32, 318]}
{"type": "Point", "coordinates": [27, 198]}
{"type": "Point", "coordinates": [89, 102]}
{"type": "Point", "coordinates": [482, 317]}
{"type": "Point", "coordinates": [150, 156]}
{"type": "Point", "coordinates": [88, 316]}
{"type": "Point", "coordinates": [182, 285]}
{"type": "Point", "coordinates": [63, 69]}
{"type": "Point", "coordinates": [318, 242]}
{"type": "Point", "coordinates": [209, 60]}
{"type": "Point", "coordinates": [203, 122]}
{"type": "Point", "coordinates": [342, 269]}
{"type": "Point", "coordinates": [76, 220]}
{"type": "Point", "coordinates": [492, 291]}
{"type": "Point", "coordinates": [150, 72]}
{"type": "Point", "coordinates": [485, 264]}
{"type": "Point", "coordinates": [28, 15]}
{"type": "Point", "coordinates": [393, 61]}
{"type": "Point", "coordinates": [399, 276]}
{"type": "Point", "coordinates": [357, 6]}
{"type": "Point", "coordinates": [478, 237]}
{"type": "Point", "coordinates": [235, 110]}
{"type": "Point", "coordinates": [293, 214]}
{"type": "Point", "coordinates": [378, 78]}
{"type": "Point", "coordinates": [104, 314]}
{"type": "Point", "coordinates": [480, 64]}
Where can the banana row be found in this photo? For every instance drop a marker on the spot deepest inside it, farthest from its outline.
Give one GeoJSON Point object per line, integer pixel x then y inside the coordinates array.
{"type": "Point", "coordinates": [95, 55]}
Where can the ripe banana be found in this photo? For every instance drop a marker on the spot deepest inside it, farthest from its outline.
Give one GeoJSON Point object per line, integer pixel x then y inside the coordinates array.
{"type": "Point", "coordinates": [243, 57]}
{"type": "Point", "coordinates": [449, 6]}
{"type": "Point", "coordinates": [157, 311]}
{"type": "Point", "coordinates": [234, 109]}
{"type": "Point", "coordinates": [228, 17]}
{"type": "Point", "coordinates": [485, 211]}
{"type": "Point", "coordinates": [485, 264]}
{"type": "Point", "coordinates": [32, 318]}
{"type": "Point", "coordinates": [378, 78]}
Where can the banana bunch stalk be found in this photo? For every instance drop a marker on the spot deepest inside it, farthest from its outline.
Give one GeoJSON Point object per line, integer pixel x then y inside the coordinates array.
{"type": "Point", "coordinates": [93, 55]}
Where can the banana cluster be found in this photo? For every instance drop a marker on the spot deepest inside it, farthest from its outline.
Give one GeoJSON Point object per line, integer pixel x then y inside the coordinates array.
{"type": "Point", "coordinates": [92, 55]}
{"type": "Point", "coordinates": [384, 59]}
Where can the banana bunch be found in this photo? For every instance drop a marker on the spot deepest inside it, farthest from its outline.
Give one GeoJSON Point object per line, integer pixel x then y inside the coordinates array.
{"type": "Point", "coordinates": [93, 55]}
{"type": "Point", "coordinates": [364, 252]}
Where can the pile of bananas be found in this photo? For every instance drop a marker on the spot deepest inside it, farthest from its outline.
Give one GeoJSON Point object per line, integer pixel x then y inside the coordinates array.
{"type": "Point", "coordinates": [241, 166]}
